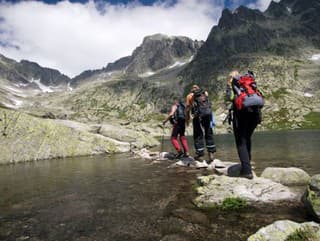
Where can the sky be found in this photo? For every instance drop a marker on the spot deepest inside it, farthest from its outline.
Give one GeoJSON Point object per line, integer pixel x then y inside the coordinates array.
{"type": "Point", "coordinates": [77, 35]}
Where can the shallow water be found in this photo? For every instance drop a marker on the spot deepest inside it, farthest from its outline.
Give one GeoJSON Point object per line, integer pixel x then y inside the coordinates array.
{"type": "Point", "coordinates": [117, 197]}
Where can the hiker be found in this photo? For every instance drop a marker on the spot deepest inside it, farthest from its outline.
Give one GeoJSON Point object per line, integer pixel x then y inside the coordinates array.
{"type": "Point", "coordinates": [177, 119]}
{"type": "Point", "coordinates": [245, 115]}
{"type": "Point", "coordinates": [199, 106]}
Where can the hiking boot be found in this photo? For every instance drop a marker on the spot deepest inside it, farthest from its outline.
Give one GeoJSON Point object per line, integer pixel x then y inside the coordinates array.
{"type": "Point", "coordinates": [211, 157]}
{"type": "Point", "coordinates": [198, 157]}
{"type": "Point", "coordinates": [186, 154]}
{"type": "Point", "coordinates": [248, 176]}
{"type": "Point", "coordinates": [179, 155]}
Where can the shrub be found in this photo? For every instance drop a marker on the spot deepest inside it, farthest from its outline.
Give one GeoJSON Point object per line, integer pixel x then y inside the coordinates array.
{"type": "Point", "coordinates": [233, 203]}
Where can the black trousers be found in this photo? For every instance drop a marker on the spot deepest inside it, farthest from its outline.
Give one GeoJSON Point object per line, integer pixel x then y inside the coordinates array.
{"type": "Point", "coordinates": [202, 128]}
{"type": "Point", "coordinates": [244, 124]}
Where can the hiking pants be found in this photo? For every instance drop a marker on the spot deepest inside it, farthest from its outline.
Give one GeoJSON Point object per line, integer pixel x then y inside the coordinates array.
{"type": "Point", "coordinates": [201, 125]}
{"type": "Point", "coordinates": [178, 130]}
{"type": "Point", "coordinates": [244, 124]}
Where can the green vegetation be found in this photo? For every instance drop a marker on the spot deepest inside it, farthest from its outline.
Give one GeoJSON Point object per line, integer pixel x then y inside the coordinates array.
{"type": "Point", "coordinates": [279, 93]}
{"type": "Point", "coordinates": [302, 234]}
{"type": "Point", "coordinates": [280, 120]}
{"type": "Point", "coordinates": [312, 121]}
{"type": "Point", "coordinates": [232, 204]}
{"type": "Point", "coordinates": [314, 199]}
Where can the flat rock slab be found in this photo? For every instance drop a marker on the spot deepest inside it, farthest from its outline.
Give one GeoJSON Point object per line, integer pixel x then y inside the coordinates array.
{"type": "Point", "coordinates": [214, 189]}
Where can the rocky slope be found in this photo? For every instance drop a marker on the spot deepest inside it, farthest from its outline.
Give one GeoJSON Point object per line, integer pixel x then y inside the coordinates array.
{"type": "Point", "coordinates": [289, 28]}
{"type": "Point", "coordinates": [19, 80]}
{"type": "Point", "coordinates": [280, 45]}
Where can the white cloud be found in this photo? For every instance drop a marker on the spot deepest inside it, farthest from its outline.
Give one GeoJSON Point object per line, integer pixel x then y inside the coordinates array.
{"type": "Point", "coordinates": [74, 37]}
{"type": "Point", "coordinates": [261, 4]}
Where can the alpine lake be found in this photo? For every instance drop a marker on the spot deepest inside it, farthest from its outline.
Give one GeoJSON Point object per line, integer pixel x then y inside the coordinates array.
{"type": "Point", "coordinates": [120, 197]}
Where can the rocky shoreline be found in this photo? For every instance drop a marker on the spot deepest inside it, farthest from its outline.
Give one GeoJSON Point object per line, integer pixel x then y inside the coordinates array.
{"type": "Point", "coordinates": [276, 187]}
{"type": "Point", "coordinates": [27, 138]}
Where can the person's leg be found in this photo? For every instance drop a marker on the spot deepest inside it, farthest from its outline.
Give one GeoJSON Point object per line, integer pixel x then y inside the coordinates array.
{"type": "Point", "coordinates": [240, 128]}
{"type": "Point", "coordinates": [174, 139]}
{"type": "Point", "coordinates": [198, 137]}
{"type": "Point", "coordinates": [252, 124]}
{"type": "Point", "coordinates": [183, 139]}
{"type": "Point", "coordinates": [211, 147]}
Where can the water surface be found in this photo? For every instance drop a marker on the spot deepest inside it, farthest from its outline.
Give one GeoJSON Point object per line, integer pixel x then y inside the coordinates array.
{"type": "Point", "coordinates": [118, 197]}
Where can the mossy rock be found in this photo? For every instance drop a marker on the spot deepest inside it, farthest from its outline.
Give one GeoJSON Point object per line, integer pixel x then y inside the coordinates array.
{"type": "Point", "coordinates": [26, 138]}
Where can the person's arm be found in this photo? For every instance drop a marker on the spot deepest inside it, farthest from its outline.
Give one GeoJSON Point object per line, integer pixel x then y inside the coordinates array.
{"type": "Point", "coordinates": [173, 110]}
{"type": "Point", "coordinates": [188, 108]}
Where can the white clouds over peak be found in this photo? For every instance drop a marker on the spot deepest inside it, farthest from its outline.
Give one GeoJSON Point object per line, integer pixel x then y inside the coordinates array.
{"type": "Point", "coordinates": [74, 37]}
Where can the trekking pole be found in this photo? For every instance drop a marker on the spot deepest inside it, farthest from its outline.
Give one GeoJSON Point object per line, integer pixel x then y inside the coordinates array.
{"type": "Point", "coordinates": [162, 139]}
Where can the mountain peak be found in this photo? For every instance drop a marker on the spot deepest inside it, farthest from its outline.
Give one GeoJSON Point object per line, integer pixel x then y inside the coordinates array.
{"type": "Point", "coordinates": [241, 15]}
{"type": "Point", "coordinates": [157, 36]}
{"type": "Point", "coordinates": [159, 51]}
{"type": "Point", "coordinates": [278, 9]}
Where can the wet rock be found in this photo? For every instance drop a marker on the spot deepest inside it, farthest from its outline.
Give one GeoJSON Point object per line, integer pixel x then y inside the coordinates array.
{"type": "Point", "coordinates": [215, 189]}
{"type": "Point", "coordinates": [231, 169]}
{"type": "Point", "coordinates": [174, 237]}
{"type": "Point", "coordinates": [148, 155]}
{"type": "Point", "coordinates": [284, 229]}
{"type": "Point", "coordinates": [290, 176]}
{"type": "Point", "coordinates": [311, 198]}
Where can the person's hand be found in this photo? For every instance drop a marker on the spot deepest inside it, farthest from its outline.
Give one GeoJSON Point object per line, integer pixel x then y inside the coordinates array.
{"type": "Point", "coordinates": [164, 122]}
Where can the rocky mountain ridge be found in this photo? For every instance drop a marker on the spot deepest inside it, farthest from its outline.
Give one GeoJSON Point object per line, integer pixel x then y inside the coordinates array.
{"type": "Point", "coordinates": [24, 71]}
{"type": "Point", "coordinates": [286, 28]}
{"type": "Point", "coordinates": [156, 53]}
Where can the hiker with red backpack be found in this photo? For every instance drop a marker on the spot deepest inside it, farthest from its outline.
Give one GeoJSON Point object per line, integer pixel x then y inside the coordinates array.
{"type": "Point", "coordinates": [177, 119]}
{"type": "Point", "coordinates": [247, 102]}
{"type": "Point", "coordinates": [199, 106]}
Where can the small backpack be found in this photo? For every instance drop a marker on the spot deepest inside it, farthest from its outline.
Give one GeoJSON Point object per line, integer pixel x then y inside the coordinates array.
{"type": "Point", "coordinates": [247, 93]}
{"type": "Point", "coordinates": [201, 104]}
{"type": "Point", "coordinates": [180, 113]}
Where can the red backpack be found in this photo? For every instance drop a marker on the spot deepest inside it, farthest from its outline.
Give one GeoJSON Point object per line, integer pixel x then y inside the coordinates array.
{"type": "Point", "coordinates": [247, 93]}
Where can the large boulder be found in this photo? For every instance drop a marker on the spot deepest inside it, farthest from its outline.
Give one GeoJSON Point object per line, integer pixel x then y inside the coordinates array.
{"type": "Point", "coordinates": [290, 176]}
{"type": "Point", "coordinates": [27, 138]}
{"type": "Point", "coordinates": [311, 197]}
{"type": "Point", "coordinates": [137, 139]}
{"type": "Point", "coordinates": [214, 189]}
{"type": "Point", "coordinates": [285, 230]}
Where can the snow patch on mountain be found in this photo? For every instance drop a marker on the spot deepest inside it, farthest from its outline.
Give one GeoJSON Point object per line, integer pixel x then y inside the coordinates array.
{"type": "Point", "coordinates": [315, 57]}
{"type": "Point", "coordinates": [147, 74]}
{"type": "Point", "coordinates": [41, 86]}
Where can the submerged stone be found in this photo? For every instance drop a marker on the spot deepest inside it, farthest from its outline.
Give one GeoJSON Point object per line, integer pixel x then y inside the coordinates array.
{"type": "Point", "coordinates": [289, 176]}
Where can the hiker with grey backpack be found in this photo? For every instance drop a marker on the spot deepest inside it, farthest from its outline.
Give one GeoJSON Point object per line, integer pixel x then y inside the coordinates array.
{"type": "Point", "coordinates": [245, 115]}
